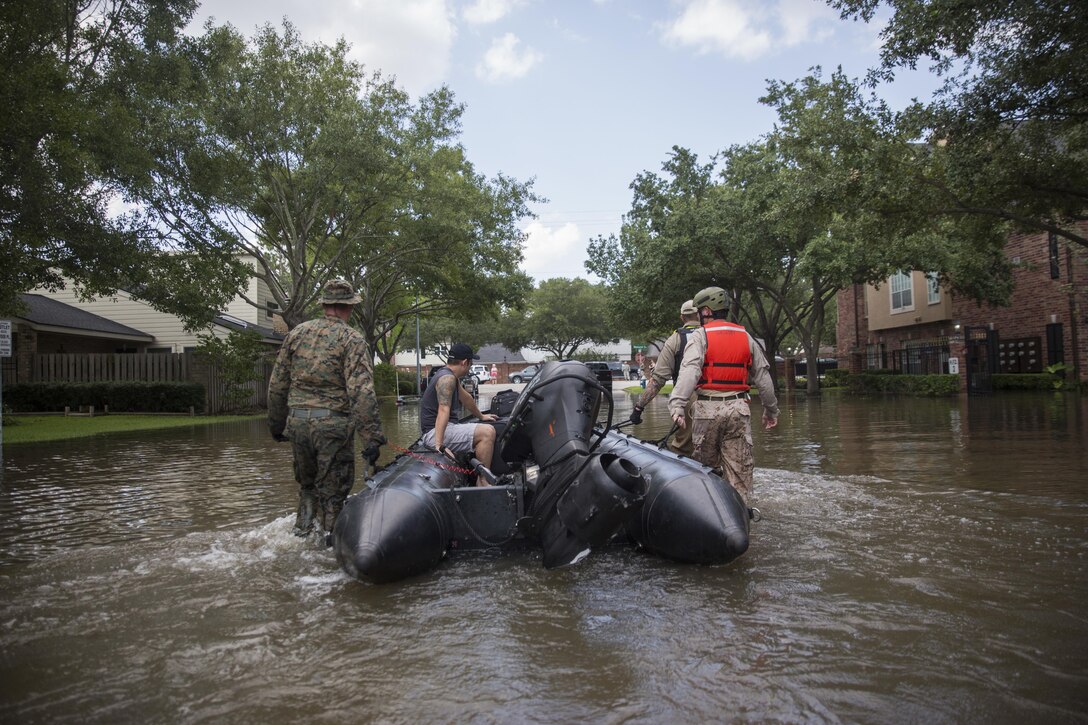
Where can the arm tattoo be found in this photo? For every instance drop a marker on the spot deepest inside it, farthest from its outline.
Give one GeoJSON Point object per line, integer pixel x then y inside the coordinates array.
{"type": "Point", "coordinates": [444, 391]}
{"type": "Point", "coordinates": [652, 388]}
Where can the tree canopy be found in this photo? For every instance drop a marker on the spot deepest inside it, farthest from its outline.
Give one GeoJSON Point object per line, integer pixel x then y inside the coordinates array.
{"type": "Point", "coordinates": [561, 315]}
{"type": "Point", "coordinates": [1007, 132]}
{"type": "Point", "coordinates": [67, 145]}
{"type": "Point", "coordinates": [288, 152]}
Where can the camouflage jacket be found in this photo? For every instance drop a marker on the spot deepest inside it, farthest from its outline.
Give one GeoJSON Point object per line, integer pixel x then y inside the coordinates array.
{"type": "Point", "coordinates": [324, 363]}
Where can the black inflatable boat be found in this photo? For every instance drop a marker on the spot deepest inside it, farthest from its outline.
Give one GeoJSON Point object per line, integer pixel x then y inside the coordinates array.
{"type": "Point", "coordinates": [561, 482]}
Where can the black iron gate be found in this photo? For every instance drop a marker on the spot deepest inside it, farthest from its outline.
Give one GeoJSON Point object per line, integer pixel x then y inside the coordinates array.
{"type": "Point", "coordinates": [981, 359]}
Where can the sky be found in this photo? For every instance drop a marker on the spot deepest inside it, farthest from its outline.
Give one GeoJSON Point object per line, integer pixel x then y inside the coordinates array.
{"type": "Point", "coordinates": [583, 95]}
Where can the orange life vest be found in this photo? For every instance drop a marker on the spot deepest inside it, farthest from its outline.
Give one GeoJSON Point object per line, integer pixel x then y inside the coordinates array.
{"type": "Point", "coordinates": [728, 357]}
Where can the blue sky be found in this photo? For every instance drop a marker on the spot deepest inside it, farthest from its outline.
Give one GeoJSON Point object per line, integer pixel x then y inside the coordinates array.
{"type": "Point", "coordinates": [582, 95]}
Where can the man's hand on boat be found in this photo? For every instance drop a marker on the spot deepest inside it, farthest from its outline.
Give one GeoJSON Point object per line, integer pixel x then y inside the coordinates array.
{"type": "Point", "coordinates": [488, 417]}
{"type": "Point", "coordinates": [678, 418]}
{"type": "Point", "coordinates": [372, 453]}
{"type": "Point", "coordinates": [446, 451]}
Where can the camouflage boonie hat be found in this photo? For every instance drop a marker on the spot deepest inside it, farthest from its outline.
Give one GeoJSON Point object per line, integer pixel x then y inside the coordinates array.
{"type": "Point", "coordinates": [339, 292]}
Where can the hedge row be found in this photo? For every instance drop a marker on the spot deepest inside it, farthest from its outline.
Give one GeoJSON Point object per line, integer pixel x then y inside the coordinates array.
{"type": "Point", "coordinates": [1026, 381]}
{"type": "Point", "coordinates": [120, 397]}
{"type": "Point", "coordinates": [926, 385]}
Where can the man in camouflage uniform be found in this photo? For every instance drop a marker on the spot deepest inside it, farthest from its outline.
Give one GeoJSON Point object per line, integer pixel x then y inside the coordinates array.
{"type": "Point", "coordinates": [321, 394]}
{"type": "Point", "coordinates": [721, 363]}
{"type": "Point", "coordinates": [666, 369]}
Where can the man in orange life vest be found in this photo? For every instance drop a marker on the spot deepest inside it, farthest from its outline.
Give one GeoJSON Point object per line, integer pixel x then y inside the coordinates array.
{"type": "Point", "coordinates": [721, 362]}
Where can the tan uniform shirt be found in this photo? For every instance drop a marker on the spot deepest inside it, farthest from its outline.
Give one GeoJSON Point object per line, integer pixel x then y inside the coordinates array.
{"type": "Point", "coordinates": [663, 372]}
{"type": "Point", "coordinates": [691, 369]}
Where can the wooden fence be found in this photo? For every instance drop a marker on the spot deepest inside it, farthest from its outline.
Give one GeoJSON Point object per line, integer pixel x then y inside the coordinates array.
{"type": "Point", "coordinates": [150, 368]}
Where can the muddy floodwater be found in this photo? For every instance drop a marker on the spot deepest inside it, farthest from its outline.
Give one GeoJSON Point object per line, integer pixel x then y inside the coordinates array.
{"type": "Point", "coordinates": [920, 561]}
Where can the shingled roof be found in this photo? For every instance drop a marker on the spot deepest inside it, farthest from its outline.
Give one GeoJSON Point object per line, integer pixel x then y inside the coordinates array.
{"type": "Point", "coordinates": [498, 354]}
{"type": "Point", "coordinates": [43, 312]}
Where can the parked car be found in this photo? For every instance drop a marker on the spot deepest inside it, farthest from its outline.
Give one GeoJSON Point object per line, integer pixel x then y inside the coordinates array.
{"type": "Point", "coordinates": [524, 376]}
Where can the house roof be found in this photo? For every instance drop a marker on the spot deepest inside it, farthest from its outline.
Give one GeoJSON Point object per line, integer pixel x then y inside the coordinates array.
{"type": "Point", "coordinates": [498, 354]}
{"type": "Point", "coordinates": [233, 323]}
{"type": "Point", "coordinates": [46, 314]}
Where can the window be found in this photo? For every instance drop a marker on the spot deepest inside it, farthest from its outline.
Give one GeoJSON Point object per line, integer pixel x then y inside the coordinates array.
{"type": "Point", "coordinates": [933, 288]}
{"type": "Point", "coordinates": [902, 294]}
{"type": "Point", "coordinates": [270, 309]}
{"type": "Point", "coordinates": [1055, 261]}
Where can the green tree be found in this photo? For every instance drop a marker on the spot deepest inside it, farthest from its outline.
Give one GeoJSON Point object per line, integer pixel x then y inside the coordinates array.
{"type": "Point", "coordinates": [561, 316]}
{"type": "Point", "coordinates": [71, 97]}
{"type": "Point", "coordinates": [236, 359]}
{"type": "Point", "coordinates": [664, 253]}
{"type": "Point", "coordinates": [290, 153]}
{"type": "Point", "coordinates": [1007, 133]}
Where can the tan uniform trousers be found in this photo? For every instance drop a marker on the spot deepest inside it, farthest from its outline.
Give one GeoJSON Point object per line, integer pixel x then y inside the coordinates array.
{"type": "Point", "coordinates": [722, 436]}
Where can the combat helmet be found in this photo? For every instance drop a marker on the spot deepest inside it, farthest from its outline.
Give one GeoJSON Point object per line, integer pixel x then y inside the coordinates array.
{"type": "Point", "coordinates": [713, 297]}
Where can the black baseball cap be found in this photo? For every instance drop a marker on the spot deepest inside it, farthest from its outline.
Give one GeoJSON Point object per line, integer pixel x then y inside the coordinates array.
{"type": "Point", "coordinates": [461, 351]}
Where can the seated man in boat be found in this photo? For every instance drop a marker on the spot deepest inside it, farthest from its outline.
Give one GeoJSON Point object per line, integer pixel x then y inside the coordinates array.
{"type": "Point", "coordinates": [444, 402]}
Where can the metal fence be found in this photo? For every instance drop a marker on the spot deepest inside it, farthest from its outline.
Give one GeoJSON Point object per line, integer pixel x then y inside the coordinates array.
{"type": "Point", "coordinates": [923, 357]}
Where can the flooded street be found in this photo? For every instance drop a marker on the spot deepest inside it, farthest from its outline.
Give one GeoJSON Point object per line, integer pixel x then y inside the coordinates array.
{"type": "Point", "coordinates": [918, 561]}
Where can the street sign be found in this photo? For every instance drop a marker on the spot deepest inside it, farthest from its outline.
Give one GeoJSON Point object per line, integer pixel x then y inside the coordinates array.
{"type": "Point", "coordinates": [5, 338]}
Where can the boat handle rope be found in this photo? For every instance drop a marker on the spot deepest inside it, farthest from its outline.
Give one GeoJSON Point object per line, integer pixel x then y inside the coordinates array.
{"type": "Point", "coordinates": [437, 464]}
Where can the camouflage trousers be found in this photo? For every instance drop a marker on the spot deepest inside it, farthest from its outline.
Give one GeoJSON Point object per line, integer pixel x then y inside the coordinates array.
{"type": "Point", "coordinates": [324, 467]}
{"type": "Point", "coordinates": [722, 435]}
{"type": "Point", "coordinates": [681, 440]}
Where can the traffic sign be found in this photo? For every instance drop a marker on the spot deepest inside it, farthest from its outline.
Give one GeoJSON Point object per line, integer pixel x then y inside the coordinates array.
{"type": "Point", "coordinates": [5, 338]}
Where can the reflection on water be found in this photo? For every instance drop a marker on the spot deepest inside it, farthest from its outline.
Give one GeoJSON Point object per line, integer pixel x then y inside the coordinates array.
{"type": "Point", "coordinates": [918, 560]}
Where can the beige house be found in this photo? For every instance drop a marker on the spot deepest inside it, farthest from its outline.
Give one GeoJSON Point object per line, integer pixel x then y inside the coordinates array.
{"type": "Point", "coordinates": [60, 323]}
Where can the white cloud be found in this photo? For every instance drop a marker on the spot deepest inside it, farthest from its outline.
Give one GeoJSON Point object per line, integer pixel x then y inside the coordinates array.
{"type": "Point", "coordinates": [721, 26]}
{"type": "Point", "coordinates": [482, 12]}
{"type": "Point", "coordinates": [805, 21]}
{"type": "Point", "coordinates": [747, 31]}
{"type": "Point", "coordinates": [557, 251]}
{"type": "Point", "coordinates": [504, 61]}
{"type": "Point", "coordinates": [410, 39]}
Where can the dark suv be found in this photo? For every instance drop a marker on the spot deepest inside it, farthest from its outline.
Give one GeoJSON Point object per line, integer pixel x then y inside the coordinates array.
{"type": "Point", "coordinates": [606, 372]}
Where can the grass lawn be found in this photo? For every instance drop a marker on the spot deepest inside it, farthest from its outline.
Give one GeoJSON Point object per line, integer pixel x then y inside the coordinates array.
{"type": "Point", "coordinates": [40, 428]}
{"type": "Point", "coordinates": [665, 390]}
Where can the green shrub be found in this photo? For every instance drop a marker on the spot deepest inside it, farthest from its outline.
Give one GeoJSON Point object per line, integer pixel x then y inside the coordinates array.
{"type": "Point", "coordinates": [872, 381]}
{"type": "Point", "coordinates": [385, 379]}
{"type": "Point", "coordinates": [1023, 381]}
{"type": "Point", "coordinates": [835, 377]}
{"type": "Point", "coordinates": [121, 397]}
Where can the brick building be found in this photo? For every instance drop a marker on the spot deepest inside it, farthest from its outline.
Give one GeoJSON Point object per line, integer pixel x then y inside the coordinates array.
{"type": "Point", "coordinates": [910, 324]}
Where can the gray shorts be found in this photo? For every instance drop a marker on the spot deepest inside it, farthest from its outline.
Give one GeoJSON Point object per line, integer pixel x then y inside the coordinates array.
{"type": "Point", "coordinates": [458, 437]}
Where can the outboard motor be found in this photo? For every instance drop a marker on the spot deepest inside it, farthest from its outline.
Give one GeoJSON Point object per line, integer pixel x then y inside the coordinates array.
{"type": "Point", "coordinates": [580, 500]}
{"type": "Point", "coordinates": [604, 494]}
